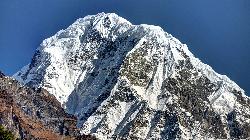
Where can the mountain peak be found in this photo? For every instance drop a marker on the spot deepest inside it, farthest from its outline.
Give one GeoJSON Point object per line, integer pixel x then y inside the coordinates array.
{"type": "Point", "coordinates": [135, 81]}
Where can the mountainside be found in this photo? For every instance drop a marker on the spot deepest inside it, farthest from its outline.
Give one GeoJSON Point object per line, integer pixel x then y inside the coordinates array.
{"type": "Point", "coordinates": [129, 81]}
{"type": "Point", "coordinates": [34, 114]}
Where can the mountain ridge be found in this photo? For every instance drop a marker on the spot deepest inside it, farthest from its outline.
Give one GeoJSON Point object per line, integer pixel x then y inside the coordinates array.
{"type": "Point", "coordinates": [103, 65]}
{"type": "Point", "coordinates": [33, 114]}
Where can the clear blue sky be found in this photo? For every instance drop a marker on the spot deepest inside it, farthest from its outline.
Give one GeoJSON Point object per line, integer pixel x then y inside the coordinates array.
{"type": "Point", "coordinates": [216, 31]}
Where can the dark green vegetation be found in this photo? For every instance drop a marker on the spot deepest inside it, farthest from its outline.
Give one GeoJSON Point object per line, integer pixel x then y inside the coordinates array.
{"type": "Point", "coordinates": [5, 134]}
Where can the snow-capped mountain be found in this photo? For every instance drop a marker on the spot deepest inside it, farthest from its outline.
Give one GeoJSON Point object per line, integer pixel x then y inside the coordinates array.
{"type": "Point", "coordinates": [127, 81]}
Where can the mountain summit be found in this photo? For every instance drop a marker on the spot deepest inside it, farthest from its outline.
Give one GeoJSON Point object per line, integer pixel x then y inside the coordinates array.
{"type": "Point", "coordinates": [127, 81]}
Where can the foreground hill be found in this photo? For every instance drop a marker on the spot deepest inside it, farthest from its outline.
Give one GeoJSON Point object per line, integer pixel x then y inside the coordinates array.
{"type": "Point", "coordinates": [34, 114]}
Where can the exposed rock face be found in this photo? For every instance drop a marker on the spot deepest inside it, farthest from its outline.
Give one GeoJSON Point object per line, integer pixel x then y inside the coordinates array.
{"type": "Point", "coordinates": [33, 114]}
{"type": "Point", "coordinates": [127, 81]}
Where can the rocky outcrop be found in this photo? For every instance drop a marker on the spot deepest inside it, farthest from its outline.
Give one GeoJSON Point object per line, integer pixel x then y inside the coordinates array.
{"type": "Point", "coordinates": [34, 113]}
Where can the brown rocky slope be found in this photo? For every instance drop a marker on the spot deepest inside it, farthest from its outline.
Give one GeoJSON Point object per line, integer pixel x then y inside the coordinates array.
{"type": "Point", "coordinates": [34, 113]}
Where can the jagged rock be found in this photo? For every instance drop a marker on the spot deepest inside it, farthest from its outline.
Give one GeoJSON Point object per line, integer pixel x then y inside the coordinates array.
{"type": "Point", "coordinates": [127, 81]}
